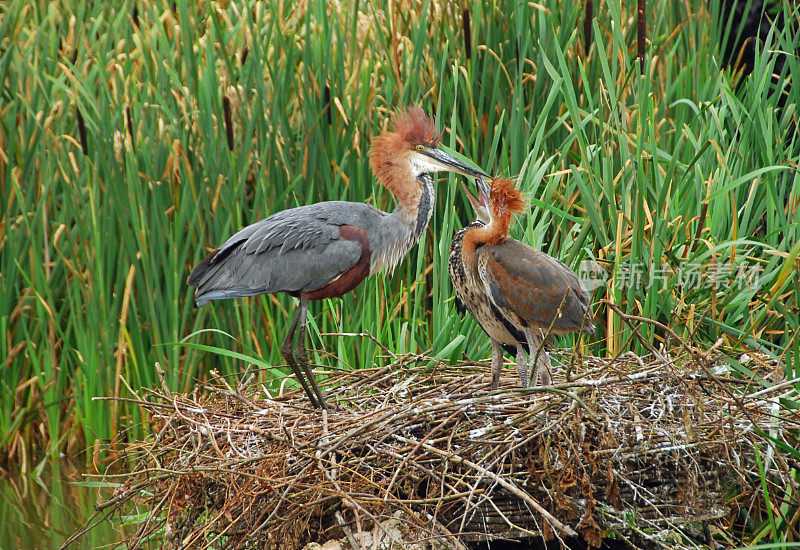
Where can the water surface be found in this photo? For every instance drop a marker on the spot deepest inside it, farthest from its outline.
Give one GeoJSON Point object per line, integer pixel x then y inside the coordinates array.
{"type": "Point", "coordinates": [38, 514]}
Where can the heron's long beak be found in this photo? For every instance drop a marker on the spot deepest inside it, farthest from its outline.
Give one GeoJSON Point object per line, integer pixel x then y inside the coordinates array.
{"type": "Point", "coordinates": [447, 162]}
{"type": "Point", "coordinates": [481, 211]}
{"type": "Point", "coordinates": [483, 191]}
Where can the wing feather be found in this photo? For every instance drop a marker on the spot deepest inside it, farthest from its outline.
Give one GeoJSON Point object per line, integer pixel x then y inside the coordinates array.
{"type": "Point", "coordinates": [533, 286]}
{"type": "Point", "coordinates": [293, 250]}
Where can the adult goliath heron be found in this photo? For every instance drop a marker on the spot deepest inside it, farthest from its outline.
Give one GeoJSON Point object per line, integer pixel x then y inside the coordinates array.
{"type": "Point", "coordinates": [516, 293]}
{"type": "Point", "coordinates": [325, 250]}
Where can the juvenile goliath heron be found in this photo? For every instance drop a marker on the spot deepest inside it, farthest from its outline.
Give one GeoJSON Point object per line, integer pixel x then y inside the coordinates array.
{"type": "Point", "coordinates": [325, 250]}
{"type": "Point", "coordinates": [516, 293]}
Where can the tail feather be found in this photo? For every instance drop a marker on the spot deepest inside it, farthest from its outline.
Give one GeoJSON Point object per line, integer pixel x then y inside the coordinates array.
{"type": "Point", "coordinates": [199, 277]}
{"type": "Point", "coordinates": [201, 298]}
{"type": "Point", "coordinates": [197, 274]}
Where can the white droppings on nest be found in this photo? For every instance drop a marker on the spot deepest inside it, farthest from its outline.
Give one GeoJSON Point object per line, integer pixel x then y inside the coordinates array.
{"type": "Point", "coordinates": [638, 428]}
{"type": "Point", "coordinates": [596, 382]}
{"type": "Point", "coordinates": [720, 369]}
{"type": "Point", "coordinates": [662, 432]}
{"type": "Point", "coordinates": [401, 389]}
{"type": "Point", "coordinates": [479, 432]}
{"type": "Point", "coordinates": [252, 446]}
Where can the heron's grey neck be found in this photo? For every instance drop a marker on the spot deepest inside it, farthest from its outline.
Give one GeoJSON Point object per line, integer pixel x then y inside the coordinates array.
{"type": "Point", "coordinates": [402, 229]}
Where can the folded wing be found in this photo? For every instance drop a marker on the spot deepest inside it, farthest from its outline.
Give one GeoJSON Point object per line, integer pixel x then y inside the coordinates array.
{"type": "Point", "coordinates": [534, 287]}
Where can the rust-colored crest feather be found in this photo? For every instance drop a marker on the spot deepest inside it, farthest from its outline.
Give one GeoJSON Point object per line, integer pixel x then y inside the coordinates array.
{"type": "Point", "coordinates": [410, 127]}
{"type": "Point", "coordinates": [505, 200]}
{"type": "Point", "coordinates": [505, 197]}
{"type": "Point", "coordinates": [415, 127]}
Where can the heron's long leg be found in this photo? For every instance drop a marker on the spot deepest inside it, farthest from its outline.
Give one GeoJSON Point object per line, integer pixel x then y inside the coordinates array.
{"type": "Point", "coordinates": [288, 356]}
{"type": "Point", "coordinates": [497, 363]}
{"type": "Point", "coordinates": [538, 360]}
{"type": "Point", "coordinates": [522, 367]}
{"type": "Point", "coordinates": [302, 354]}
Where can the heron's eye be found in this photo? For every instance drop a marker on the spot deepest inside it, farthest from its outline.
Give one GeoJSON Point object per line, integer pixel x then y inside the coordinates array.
{"type": "Point", "coordinates": [420, 148]}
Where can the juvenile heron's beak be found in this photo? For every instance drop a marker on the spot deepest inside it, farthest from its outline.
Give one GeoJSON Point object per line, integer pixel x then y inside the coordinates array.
{"type": "Point", "coordinates": [481, 210]}
{"type": "Point", "coordinates": [483, 191]}
{"type": "Point", "coordinates": [446, 162]}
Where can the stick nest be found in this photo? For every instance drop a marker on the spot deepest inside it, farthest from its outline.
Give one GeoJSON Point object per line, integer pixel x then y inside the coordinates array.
{"type": "Point", "coordinates": [642, 449]}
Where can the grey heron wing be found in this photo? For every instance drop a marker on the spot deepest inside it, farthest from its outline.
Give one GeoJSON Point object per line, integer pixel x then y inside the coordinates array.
{"type": "Point", "coordinates": [535, 287]}
{"type": "Point", "coordinates": [292, 250]}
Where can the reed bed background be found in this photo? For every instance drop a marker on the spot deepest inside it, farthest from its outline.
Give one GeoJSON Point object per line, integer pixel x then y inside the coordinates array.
{"type": "Point", "coordinates": [135, 137]}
